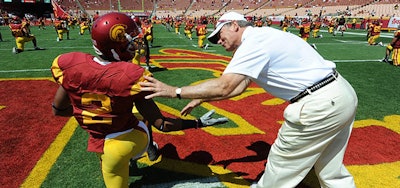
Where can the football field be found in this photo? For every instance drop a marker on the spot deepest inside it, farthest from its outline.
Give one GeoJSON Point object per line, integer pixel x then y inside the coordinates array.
{"type": "Point", "coordinates": [40, 150]}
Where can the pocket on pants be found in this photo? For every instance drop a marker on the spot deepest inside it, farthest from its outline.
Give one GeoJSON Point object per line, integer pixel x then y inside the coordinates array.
{"type": "Point", "coordinates": [292, 113]}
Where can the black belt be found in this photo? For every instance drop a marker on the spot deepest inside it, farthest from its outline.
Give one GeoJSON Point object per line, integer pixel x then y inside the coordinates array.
{"type": "Point", "coordinates": [316, 86]}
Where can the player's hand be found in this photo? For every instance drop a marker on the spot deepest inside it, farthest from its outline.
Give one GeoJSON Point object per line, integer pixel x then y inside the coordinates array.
{"type": "Point", "coordinates": [190, 106]}
{"type": "Point", "coordinates": [207, 120]}
{"type": "Point", "coordinates": [158, 88]}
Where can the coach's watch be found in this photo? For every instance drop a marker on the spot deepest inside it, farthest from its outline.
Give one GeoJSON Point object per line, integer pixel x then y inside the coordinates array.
{"type": "Point", "coordinates": [178, 92]}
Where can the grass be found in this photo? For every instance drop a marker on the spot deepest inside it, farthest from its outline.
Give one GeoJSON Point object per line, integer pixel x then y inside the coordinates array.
{"type": "Point", "coordinates": [375, 83]}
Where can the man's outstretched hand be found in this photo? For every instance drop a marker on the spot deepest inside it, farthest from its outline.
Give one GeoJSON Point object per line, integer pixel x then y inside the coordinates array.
{"type": "Point", "coordinates": [158, 88]}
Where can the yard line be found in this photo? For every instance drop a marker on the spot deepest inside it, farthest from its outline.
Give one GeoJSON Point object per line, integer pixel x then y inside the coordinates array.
{"type": "Point", "coordinates": [356, 60]}
{"type": "Point", "coordinates": [25, 70]}
{"type": "Point", "coordinates": [336, 61]}
{"type": "Point", "coordinates": [60, 47]}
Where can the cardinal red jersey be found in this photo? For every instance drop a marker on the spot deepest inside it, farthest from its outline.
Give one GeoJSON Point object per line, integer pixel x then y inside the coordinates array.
{"type": "Point", "coordinates": [17, 30]}
{"type": "Point", "coordinates": [102, 96]}
{"type": "Point", "coordinates": [201, 30]}
{"type": "Point", "coordinates": [397, 43]}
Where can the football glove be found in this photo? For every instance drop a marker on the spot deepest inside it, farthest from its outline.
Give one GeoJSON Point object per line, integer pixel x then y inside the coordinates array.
{"type": "Point", "coordinates": [207, 120]}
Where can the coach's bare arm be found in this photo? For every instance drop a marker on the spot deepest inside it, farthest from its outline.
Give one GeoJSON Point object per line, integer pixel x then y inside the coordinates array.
{"type": "Point", "coordinates": [226, 86]}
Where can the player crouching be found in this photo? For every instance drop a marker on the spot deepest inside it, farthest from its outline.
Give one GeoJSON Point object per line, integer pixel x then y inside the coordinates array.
{"type": "Point", "coordinates": [20, 30]}
{"type": "Point", "coordinates": [100, 92]}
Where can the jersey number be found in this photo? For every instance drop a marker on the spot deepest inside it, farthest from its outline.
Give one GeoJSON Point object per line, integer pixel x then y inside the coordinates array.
{"type": "Point", "coordinates": [91, 116]}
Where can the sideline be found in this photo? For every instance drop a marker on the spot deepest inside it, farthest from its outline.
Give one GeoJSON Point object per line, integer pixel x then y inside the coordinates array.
{"type": "Point", "coordinates": [42, 168]}
{"type": "Point", "coordinates": [336, 61]}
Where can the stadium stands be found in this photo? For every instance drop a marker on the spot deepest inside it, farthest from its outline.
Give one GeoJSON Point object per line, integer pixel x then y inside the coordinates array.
{"type": "Point", "coordinates": [358, 8]}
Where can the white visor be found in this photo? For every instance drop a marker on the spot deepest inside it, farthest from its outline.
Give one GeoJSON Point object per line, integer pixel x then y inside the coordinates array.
{"type": "Point", "coordinates": [226, 18]}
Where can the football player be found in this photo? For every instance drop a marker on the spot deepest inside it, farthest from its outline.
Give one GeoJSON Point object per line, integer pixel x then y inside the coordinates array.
{"type": "Point", "coordinates": [285, 24]}
{"type": "Point", "coordinates": [101, 91]}
{"type": "Point", "coordinates": [316, 26]}
{"type": "Point", "coordinates": [201, 32]}
{"type": "Point", "coordinates": [304, 31]}
{"type": "Point", "coordinates": [188, 28]}
{"type": "Point", "coordinates": [177, 26]}
{"type": "Point", "coordinates": [331, 26]}
{"type": "Point", "coordinates": [374, 33]}
{"type": "Point", "coordinates": [61, 27]}
{"type": "Point", "coordinates": [147, 29]}
{"type": "Point", "coordinates": [259, 22]}
{"type": "Point", "coordinates": [393, 48]}
{"type": "Point", "coordinates": [84, 25]}
{"type": "Point", "coordinates": [341, 26]}
{"type": "Point", "coordinates": [20, 30]}
{"type": "Point", "coordinates": [141, 45]}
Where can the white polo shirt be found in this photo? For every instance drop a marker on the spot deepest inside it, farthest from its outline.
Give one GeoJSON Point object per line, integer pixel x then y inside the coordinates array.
{"type": "Point", "coordinates": [280, 62]}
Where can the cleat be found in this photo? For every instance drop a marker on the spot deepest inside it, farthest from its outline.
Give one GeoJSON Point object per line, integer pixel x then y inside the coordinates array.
{"type": "Point", "coordinates": [152, 151]}
{"type": "Point", "coordinates": [14, 50]}
{"type": "Point", "coordinates": [380, 44]}
{"type": "Point", "coordinates": [206, 46]}
{"type": "Point", "coordinates": [37, 48]}
{"type": "Point", "coordinates": [384, 60]}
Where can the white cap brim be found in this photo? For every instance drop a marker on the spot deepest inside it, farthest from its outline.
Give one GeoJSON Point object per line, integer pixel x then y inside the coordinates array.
{"type": "Point", "coordinates": [224, 19]}
{"type": "Point", "coordinates": [214, 36]}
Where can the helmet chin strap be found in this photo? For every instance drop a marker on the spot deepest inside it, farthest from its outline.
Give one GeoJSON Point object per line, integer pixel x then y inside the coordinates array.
{"type": "Point", "coordinates": [115, 55]}
{"type": "Point", "coordinates": [98, 52]}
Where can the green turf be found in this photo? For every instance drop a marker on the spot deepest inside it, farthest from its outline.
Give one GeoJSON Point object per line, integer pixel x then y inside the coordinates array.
{"type": "Point", "coordinates": [375, 83]}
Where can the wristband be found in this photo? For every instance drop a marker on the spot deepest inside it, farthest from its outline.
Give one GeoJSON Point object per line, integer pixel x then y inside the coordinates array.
{"type": "Point", "coordinates": [199, 123]}
{"type": "Point", "coordinates": [178, 92]}
{"type": "Point", "coordinates": [59, 109]}
{"type": "Point", "coordinates": [190, 124]}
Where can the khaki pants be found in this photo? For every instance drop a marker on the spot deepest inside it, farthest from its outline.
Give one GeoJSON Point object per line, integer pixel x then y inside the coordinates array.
{"type": "Point", "coordinates": [315, 134]}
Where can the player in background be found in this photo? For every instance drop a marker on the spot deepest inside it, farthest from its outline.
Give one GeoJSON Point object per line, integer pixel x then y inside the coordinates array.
{"type": "Point", "coordinates": [84, 25]}
{"type": "Point", "coordinates": [72, 22]}
{"type": "Point", "coordinates": [147, 29]}
{"type": "Point", "coordinates": [268, 21]}
{"type": "Point", "coordinates": [353, 23]}
{"type": "Point", "coordinates": [61, 27]}
{"type": "Point", "coordinates": [331, 26]}
{"type": "Point", "coordinates": [259, 22]}
{"type": "Point", "coordinates": [104, 108]}
{"type": "Point", "coordinates": [141, 44]}
{"type": "Point", "coordinates": [42, 23]}
{"type": "Point", "coordinates": [374, 33]}
{"type": "Point", "coordinates": [304, 30]}
{"type": "Point", "coordinates": [167, 22]}
{"type": "Point", "coordinates": [188, 28]}
{"type": "Point", "coordinates": [21, 32]}
{"type": "Point", "coordinates": [316, 26]}
{"type": "Point", "coordinates": [201, 32]}
{"type": "Point", "coordinates": [393, 48]}
{"type": "Point", "coordinates": [341, 26]}
{"type": "Point", "coordinates": [177, 26]}
{"type": "Point", "coordinates": [285, 24]}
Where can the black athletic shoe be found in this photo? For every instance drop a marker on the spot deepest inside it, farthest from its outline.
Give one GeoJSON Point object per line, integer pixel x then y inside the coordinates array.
{"type": "Point", "coordinates": [385, 60]}
{"type": "Point", "coordinates": [152, 151]}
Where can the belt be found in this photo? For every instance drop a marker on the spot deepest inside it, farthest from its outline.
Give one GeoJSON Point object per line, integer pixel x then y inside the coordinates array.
{"type": "Point", "coordinates": [316, 86]}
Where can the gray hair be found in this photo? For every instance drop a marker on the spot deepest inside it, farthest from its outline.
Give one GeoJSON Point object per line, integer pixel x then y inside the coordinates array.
{"type": "Point", "coordinates": [241, 23]}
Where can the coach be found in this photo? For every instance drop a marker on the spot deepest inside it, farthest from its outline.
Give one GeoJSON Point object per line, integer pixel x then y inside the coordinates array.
{"type": "Point", "coordinates": [319, 118]}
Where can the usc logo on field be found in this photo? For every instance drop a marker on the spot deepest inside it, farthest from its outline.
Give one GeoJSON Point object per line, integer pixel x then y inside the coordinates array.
{"type": "Point", "coordinates": [117, 33]}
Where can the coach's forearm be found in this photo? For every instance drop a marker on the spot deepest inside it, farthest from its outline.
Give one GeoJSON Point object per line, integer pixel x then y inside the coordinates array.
{"type": "Point", "coordinates": [216, 89]}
